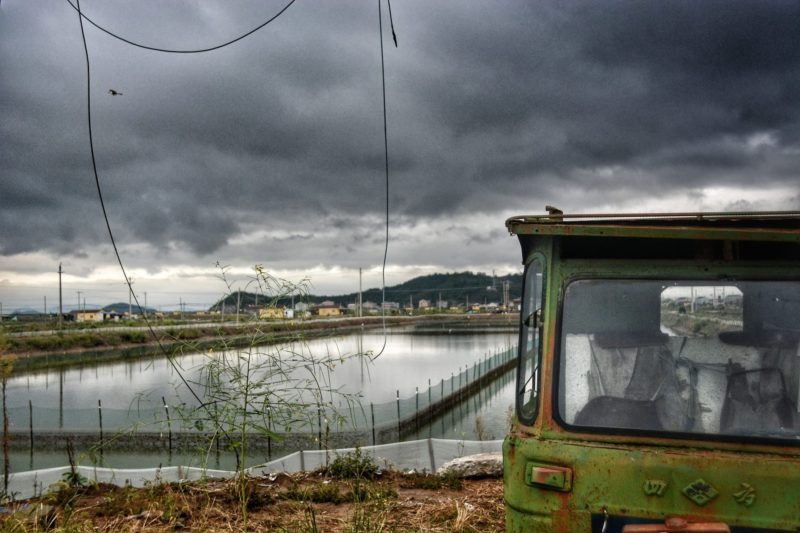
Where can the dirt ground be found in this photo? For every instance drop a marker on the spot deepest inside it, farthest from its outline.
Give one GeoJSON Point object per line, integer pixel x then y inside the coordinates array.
{"type": "Point", "coordinates": [309, 502]}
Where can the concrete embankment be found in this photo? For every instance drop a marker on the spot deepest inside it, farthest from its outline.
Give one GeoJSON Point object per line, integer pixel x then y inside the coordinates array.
{"type": "Point", "coordinates": [427, 415]}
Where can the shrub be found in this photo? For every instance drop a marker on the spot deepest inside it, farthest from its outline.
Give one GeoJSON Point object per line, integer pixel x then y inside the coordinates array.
{"type": "Point", "coordinates": [353, 465]}
{"type": "Point", "coordinates": [133, 336]}
{"type": "Point", "coordinates": [318, 494]}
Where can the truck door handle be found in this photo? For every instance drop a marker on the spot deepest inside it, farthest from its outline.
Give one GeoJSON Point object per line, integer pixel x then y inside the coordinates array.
{"type": "Point", "coordinates": [548, 476]}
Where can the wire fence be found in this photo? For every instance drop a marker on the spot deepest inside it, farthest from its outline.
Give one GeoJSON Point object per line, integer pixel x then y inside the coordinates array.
{"type": "Point", "coordinates": [165, 420]}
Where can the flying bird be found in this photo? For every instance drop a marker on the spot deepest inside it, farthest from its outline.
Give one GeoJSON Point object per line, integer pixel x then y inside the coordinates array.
{"type": "Point", "coordinates": [112, 92]}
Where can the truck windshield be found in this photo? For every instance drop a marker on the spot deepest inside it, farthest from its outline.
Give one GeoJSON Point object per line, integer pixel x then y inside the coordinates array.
{"type": "Point", "coordinates": [687, 357]}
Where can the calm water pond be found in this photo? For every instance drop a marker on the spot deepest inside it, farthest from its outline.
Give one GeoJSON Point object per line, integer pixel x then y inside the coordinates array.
{"type": "Point", "coordinates": [68, 398]}
{"type": "Point", "coordinates": [407, 361]}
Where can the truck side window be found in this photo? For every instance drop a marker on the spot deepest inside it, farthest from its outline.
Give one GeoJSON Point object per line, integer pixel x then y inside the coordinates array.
{"type": "Point", "coordinates": [529, 343]}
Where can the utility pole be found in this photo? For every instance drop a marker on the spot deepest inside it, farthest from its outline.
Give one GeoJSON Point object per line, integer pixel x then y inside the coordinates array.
{"type": "Point", "coordinates": [360, 299]}
{"type": "Point", "coordinates": [180, 305]}
{"type": "Point", "coordinates": [238, 304]}
{"type": "Point", "coordinates": [45, 305]}
{"type": "Point", "coordinates": [60, 308]}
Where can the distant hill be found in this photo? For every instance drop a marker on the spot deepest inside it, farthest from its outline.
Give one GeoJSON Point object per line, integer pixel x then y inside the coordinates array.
{"type": "Point", "coordinates": [454, 288]}
{"type": "Point", "coordinates": [25, 311]}
{"type": "Point", "coordinates": [122, 307]}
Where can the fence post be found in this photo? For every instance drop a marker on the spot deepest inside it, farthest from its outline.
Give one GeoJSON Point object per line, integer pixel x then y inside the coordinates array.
{"type": "Point", "coordinates": [216, 437]}
{"type": "Point", "coordinates": [416, 410]}
{"type": "Point", "coordinates": [429, 393]}
{"type": "Point", "coordinates": [398, 414]}
{"type": "Point", "coordinates": [372, 411]}
{"type": "Point", "coordinates": [61, 400]}
{"type": "Point", "coordinates": [327, 440]}
{"type": "Point", "coordinates": [430, 454]}
{"type": "Point", "coordinates": [100, 416]}
{"type": "Point", "coordinates": [319, 427]}
{"type": "Point", "coordinates": [459, 379]}
{"type": "Point", "coordinates": [30, 422]}
{"type": "Point", "coordinates": [169, 423]}
{"type": "Point", "coordinates": [269, 434]}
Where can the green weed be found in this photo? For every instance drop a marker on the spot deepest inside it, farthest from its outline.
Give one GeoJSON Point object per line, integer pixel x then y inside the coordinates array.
{"type": "Point", "coordinates": [353, 465]}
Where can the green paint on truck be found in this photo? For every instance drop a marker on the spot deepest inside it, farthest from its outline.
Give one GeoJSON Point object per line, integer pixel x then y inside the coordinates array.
{"type": "Point", "coordinates": [658, 383]}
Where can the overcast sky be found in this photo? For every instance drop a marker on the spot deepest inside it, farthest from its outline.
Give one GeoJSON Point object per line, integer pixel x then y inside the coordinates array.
{"type": "Point", "coordinates": [270, 151]}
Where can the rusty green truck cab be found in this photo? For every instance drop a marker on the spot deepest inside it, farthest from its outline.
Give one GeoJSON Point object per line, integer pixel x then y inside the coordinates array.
{"type": "Point", "coordinates": [658, 374]}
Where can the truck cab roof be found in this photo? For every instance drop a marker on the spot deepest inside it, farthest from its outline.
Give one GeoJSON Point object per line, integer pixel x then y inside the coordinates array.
{"type": "Point", "coordinates": [771, 235]}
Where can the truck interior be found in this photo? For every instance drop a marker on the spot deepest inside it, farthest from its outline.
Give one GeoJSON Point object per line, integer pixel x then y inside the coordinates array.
{"type": "Point", "coordinates": [701, 358]}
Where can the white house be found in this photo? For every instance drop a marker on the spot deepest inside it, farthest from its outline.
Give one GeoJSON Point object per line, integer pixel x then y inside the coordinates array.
{"type": "Point", "coordinates": [89, 315]}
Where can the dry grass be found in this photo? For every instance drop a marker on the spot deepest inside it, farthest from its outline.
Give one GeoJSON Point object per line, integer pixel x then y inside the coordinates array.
{"type": "Point", "coordinates": [391, 502]}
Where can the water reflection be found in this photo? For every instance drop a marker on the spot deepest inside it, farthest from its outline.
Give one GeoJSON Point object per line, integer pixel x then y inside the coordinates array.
{"type": "Point", "coordinates": [490, 406]}
{"type": "Point", "coordinates": [408, 361]}
{"type": "Point", "coordinates": [68, 398]}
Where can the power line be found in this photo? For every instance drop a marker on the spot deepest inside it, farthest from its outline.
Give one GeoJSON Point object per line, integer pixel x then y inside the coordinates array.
{"type": "Point", "coordinates": [170, 50]}
{"type": "Point", "coordinates": [111, 233]}
{"type": "Point", "coordinates": [391, 21]}
{"type": "Point", "coordinates": [81, 17]}
{"type": "Point", "coordinates": [386, 167]}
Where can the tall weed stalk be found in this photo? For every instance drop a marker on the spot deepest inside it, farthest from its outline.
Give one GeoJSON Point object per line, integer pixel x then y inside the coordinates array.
{"type": "Point", "coordinates": [265, 391]}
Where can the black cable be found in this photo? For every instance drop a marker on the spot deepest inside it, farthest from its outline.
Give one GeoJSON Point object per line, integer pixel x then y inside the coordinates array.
{"type": "Point", "coordinates": [391, 22]}
{"type": "Point", "coordinates": [111, 233]}
{"type": "Point", "coordinates": [175, 51]}
{"type": "Point", "coordinates": [386, 167]}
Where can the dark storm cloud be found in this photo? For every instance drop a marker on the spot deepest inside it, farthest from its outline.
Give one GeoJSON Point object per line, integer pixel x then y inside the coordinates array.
{"type": "Point", "coordinates": [491, 108]}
